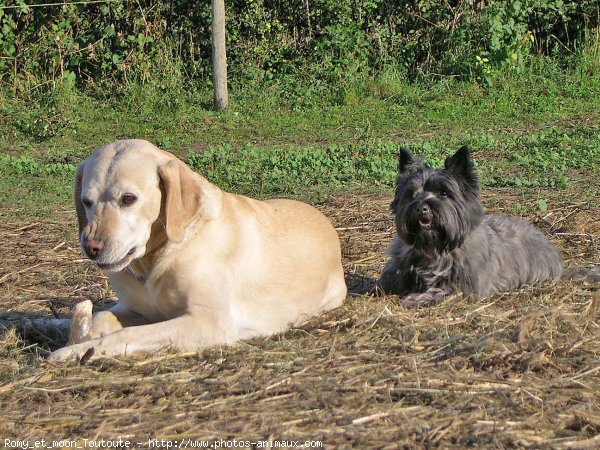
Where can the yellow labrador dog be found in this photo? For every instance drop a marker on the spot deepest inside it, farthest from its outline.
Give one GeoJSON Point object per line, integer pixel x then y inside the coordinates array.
{"type": "Point", "coordinates": [194, 266]}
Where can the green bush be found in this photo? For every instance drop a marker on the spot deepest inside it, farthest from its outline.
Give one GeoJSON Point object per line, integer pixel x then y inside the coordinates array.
{"type": "Point", "coordinates": [24, 165]}
{"type": "Point", "coordinates": [324, 42]}
{"type": "Point", "coordinates": [288, 170]}
{"type": "Point", "coordinates": [536, 159]}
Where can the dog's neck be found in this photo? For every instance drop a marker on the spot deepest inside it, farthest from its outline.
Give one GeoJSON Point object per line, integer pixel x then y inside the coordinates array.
{"type": "Point", "coordinates": [425, 255]}
{"type": "Point", "coordinates": [427, 269]}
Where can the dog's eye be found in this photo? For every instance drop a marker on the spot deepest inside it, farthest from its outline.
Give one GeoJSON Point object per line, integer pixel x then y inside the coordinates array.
{"type": "Point", "coordinates": [128, 200]}
{"type": "Point", "coordinates": [443, 194]}
{"type": "Point", "coordinates": [86, 202]}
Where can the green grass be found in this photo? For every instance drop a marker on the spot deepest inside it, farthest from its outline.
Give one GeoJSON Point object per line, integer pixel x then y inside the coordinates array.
{"type": "Point", "coordinates": [540, 129]}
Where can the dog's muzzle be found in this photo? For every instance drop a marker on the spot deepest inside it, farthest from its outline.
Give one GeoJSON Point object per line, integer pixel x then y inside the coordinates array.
{"type": "Point", "coordinates": [95, 250]}
{"type": "Point", "coordinates": [424, 215]}
{"type": "Point", "coordinates": [92, 248]}
{"type": "Point", "coordinates": [118, 265]}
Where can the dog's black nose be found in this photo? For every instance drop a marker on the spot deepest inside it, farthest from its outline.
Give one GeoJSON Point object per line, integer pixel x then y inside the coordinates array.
{"type": "Point", "coordinates": [92, 247]}
{"type": "Point", "coordinates": [423, 209]}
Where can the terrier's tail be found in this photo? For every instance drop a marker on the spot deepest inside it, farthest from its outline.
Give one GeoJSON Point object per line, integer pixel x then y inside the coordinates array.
{"type": "Point", "coordinates": [582, 273]}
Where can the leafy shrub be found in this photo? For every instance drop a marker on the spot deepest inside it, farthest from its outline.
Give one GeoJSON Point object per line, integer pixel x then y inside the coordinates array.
{"type": "Point", "coordinates": [116, 43]}
{"type": "Point", "coordinates": [24, 165]}
{"type": "Point", "coordinates": [287, 170]}
{"type": "Point", "coordinates": [536, 159]}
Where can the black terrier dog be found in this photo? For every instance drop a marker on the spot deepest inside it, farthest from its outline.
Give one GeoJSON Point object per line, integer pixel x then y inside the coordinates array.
{"type": "Point", "coordinates": [446, 243]}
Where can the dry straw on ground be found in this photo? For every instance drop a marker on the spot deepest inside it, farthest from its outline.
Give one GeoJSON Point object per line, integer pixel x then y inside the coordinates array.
{"type": "Point", "coordinates": [515, 370]}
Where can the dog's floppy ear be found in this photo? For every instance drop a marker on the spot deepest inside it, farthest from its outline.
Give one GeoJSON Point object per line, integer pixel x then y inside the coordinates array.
{"type": "Point", "coordinates": [460, 164]}
{"type": "Point", "coordinates": [182, 196]}
{"type": "Point", "coordinates": [81, 215]}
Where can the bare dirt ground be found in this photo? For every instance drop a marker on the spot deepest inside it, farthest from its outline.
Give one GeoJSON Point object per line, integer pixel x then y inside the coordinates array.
{"type": "Point", "coordinates": [514, 370]}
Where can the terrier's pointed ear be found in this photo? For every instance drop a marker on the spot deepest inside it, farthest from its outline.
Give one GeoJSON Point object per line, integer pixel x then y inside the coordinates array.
{"type": "Point", "coordinates": [81, 214]}
{"type": "Point", "coordinates": [460, 164]}
{"type": "Point", "coordinates": [406, 160]}
{"type": "Point", "coordinates": [407, 165]}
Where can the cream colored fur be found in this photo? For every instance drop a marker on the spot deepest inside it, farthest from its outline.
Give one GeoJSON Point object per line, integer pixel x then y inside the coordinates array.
{"type": "Point", "coordinates": [194, 266]}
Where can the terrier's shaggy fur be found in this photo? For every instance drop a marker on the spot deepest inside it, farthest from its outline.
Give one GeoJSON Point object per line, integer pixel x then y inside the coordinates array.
{"type": "Point", "coordinates": [446, 243]}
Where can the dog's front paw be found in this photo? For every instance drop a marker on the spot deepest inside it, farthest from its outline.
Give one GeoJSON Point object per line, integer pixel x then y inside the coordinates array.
{"type": "Point", "coordinates": [374, 289]}
{"type": "Point", "coordinates": [431, 297]}
{"type": "Point", "coordinates": [77, 353]}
